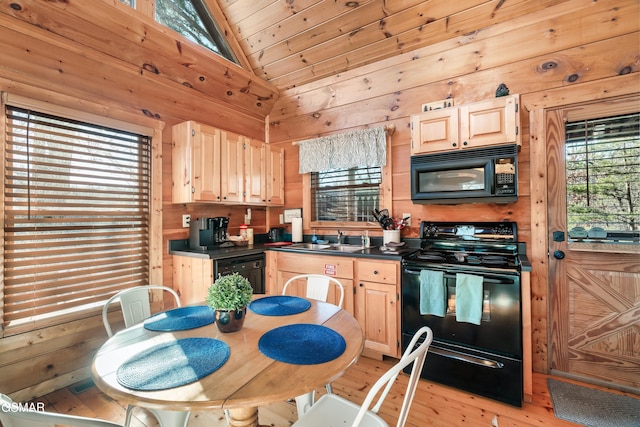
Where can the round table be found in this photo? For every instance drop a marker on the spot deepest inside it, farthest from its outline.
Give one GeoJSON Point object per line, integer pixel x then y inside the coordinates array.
{"type": "Point", "coordinates": [246, 381]}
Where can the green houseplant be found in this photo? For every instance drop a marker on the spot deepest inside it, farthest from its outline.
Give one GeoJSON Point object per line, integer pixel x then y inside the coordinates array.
{"type": "Point", "coordinates": [229, 296]}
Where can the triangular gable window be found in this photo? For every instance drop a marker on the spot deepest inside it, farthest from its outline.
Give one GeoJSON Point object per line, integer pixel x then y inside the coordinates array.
{"type": "Point", "coordinates": [192, 19]}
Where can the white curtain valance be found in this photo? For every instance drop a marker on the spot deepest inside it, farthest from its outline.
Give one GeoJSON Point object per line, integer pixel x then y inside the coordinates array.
{"type": "Point", "coordinates": [361, 148]}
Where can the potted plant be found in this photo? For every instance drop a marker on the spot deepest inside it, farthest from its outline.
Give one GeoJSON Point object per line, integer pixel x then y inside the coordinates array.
{"type": "Point", "coordinates": [229, 296]}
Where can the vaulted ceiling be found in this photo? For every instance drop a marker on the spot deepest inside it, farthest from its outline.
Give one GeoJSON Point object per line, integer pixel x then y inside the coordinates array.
{"type": "Point", "coordinates": [293, 42]}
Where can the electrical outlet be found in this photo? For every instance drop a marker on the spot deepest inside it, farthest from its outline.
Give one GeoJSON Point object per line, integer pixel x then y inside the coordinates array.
{"type": "Point", "coordinates": [186, 220]}
{"type": "Point", "coordinates": [408, 216]}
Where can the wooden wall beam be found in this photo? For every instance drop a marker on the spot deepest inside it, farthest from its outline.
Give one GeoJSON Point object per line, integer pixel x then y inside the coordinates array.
{"type": "Point", "coordinates": [51, 62]}
{"type": "Point", "coordinates": [125, 35]}
{"type": "Point", "coordinates": [591, 62]}
{"type": "Point", "coordinates": [474, 53]}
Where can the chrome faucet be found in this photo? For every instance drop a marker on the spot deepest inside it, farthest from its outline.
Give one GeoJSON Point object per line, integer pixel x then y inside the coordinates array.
{"type": "Point", "coordinates": [339, 237]}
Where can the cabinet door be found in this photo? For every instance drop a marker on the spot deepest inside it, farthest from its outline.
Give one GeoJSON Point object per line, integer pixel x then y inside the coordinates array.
{"type": "Point", "coordinates": [275, 176]}
{"type": "Point", "coordinates": [255, 172]}
{"type": "Point", "coordinates": [491, 122]}
{"type": "Point", "coordinates": [232, 167]}
{"type": "Point", "coordinates": [434, 131]}
{"type": "Point", "coordinates": [192, 278]}
{"type": "Point", "coordinates": [195, 163]}
{"type": "Point", "coordinates": [206, 164]}
{"type": "Point", "coordinates": [376, 311]}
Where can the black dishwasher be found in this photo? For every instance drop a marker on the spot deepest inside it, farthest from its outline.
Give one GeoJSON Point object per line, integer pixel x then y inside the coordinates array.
{"type": "Point", "coordinates": [249, 266]}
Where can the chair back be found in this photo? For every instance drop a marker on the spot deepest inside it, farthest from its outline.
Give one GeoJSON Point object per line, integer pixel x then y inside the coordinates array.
{"type": "Point", "coordinates": [135, 305]}
{"type": "Point", "coordinates": [415, 353]}
{"type": "Point", "coordinates": [317, 286]}
{"type": "Point", "coordinates": [13, 414]}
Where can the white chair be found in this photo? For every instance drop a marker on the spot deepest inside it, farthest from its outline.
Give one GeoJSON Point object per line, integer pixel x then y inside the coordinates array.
{"type": "Point", "coordinates": [135, 305]}
{"type": "Point", "coordinates": [135, 309]}
{"type": "Point", "coordinates": [13, 414]}
{"type": "Point", "coordinates": [317, 286]}
{"type": "Point", "coordinates": [333, 410]}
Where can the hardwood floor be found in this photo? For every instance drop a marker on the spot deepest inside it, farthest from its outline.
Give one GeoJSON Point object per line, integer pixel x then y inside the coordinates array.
{"type": "Point", "coordinates": [434, 405]}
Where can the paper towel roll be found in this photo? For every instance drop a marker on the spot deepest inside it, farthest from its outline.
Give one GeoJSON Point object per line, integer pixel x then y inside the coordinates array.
{"type": "Point", "coordinates": [296, 230]}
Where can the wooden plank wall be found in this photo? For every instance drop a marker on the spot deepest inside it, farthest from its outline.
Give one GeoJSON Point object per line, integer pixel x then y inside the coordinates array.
{"type": "Point", "coordinates": [578, 46]}
{"type": "Point", "coordinates": [589, 42]}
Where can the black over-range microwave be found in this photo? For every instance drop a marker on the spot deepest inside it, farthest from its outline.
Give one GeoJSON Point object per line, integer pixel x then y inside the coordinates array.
{"type": "Point", "coordinates": [474, 175]}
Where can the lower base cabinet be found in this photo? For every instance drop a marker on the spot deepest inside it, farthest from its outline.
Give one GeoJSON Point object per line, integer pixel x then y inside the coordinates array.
{"type": "Point", "coordinates": [371, 291]}
{"type": "Point", "coordinates": [377, 307]}
{"type": "Point", "coordinates": [192, 278]}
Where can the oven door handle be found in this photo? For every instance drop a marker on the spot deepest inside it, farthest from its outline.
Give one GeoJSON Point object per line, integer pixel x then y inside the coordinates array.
{"type": "Point", "coordinates": [480, 361]}
{"type": "Point", "coordinates": [448, 275]}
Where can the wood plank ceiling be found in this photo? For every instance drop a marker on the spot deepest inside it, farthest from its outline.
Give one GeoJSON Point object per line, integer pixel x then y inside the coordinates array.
{"type": "Point", "coordinates": [294, 42]}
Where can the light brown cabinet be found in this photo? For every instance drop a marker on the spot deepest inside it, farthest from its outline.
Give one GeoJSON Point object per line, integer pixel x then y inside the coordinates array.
{"type": "Point", "coordinates": [491, 122]}
{"type": "Point", "coordinates": [212, 165]}
{"type": "Point", "coordinates": [275, 176]}
{"type": "Point", "coordinates": [192, 278]}
{"type": "Point", "coordinates": [377, 307]}
{"type": "Point", "coordinates": [284, 265]}
{"type": "Point", "coordinates": [373, 301]}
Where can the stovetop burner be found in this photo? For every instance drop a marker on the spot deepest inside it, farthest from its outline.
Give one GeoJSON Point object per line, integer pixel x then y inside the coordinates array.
{"type": "Point", "coordinates": [489, 245]}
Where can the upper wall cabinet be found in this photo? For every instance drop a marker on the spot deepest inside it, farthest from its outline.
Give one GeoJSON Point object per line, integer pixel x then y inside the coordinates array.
{"type": "Point", "coordinates": [492, 122]}
{"type": "Point", "coordinates": [212, 165]}
{"type": "Point", "coordinates": [275, 175]}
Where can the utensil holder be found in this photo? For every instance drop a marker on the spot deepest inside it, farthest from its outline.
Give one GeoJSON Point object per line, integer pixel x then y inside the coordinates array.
{"type": "Point", "coordinates": [390, 236]}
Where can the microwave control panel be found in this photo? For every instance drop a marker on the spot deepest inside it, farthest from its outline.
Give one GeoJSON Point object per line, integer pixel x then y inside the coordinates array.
{"type": "Point", "coordinates": [505, 176]}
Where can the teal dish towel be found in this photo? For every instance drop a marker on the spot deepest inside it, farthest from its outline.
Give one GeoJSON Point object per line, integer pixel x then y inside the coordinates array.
{"type": "Point", "coordinates": [468, 298]}
{"type": "Point", "coordinates": [433, 293]}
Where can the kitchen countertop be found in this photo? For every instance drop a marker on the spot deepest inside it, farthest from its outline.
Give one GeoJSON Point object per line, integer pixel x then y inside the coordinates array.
{"type": "Point", "coordinates": [181, 248]}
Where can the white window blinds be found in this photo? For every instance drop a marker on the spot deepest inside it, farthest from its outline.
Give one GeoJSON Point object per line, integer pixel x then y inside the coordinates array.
{"type": "Point", "coordinates": [76, 199]}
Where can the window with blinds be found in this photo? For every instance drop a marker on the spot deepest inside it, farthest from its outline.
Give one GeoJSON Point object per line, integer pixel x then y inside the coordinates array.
{"type": "Point", "coordinates": [347, 195]}
{"type": "Point", "coordinates": [603, 174]}
{"type": "Point", "coordinates": [76, 200]}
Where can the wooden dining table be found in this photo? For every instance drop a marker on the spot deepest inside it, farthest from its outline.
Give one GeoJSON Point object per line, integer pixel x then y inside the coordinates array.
{"type": "Point", "coordinates": [246, 381]}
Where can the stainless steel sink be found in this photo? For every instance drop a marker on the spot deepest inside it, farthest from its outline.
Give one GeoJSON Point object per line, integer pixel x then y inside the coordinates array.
{"type": "Point", "coordinates": [345, 248]}
{"type": "Point", "coordinates": [309, 246]}
{"type": "Point", "coordinates": [326, 247]}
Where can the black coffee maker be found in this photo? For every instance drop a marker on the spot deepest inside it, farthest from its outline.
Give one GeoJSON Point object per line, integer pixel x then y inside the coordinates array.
{"type": "Point", "coordinates": [208, 233]}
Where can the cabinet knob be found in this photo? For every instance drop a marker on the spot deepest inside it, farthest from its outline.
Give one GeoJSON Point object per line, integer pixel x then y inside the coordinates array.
{"type": "Point", "coordinates": [465, 143]}
{"type": "Point", "coordinates": [375, 271]}
{"type": "Point", "coordinates": [361, 285]}
{"type": "Point", "coordinates": [454, 144]}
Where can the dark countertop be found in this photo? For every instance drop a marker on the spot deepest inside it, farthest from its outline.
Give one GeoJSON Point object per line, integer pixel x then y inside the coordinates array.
{"type": "Point", "coordinates": [181, 248]}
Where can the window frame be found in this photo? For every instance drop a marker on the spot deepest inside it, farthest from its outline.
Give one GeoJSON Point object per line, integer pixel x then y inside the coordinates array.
{"type": "Point", "coordinates": [386, 200]}
{"type": "Point", "coordinates": [582, 148]}
{"type": "Point", "coordinates": [129, 123]}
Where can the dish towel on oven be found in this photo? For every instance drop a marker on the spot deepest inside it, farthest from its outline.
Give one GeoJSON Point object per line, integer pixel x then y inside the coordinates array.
{"type": "Point", "coordinates": [433, 294]}
{"type": "Point", "coordinates": [468, 298]}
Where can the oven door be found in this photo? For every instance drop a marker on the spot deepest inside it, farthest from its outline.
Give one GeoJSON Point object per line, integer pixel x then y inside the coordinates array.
{"type": "Point", "coordinates": [500, 329]}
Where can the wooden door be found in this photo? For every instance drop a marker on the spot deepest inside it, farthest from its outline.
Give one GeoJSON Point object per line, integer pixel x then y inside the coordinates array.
{"type": "Point", "coordinates": [594, 290]}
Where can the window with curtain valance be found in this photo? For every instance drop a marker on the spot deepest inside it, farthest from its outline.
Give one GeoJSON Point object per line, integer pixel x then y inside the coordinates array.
{"type": "Point", "coordinates": [345, 175]}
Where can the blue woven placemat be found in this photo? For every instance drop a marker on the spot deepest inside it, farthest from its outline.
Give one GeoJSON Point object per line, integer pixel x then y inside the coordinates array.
{"type": "Point", "coordinates": [279, 305]}
{"type": "Point", "coordinates": [180, 319]}
{"type": "Point", "coordinates": [173, 364]}
{"type": "Point", "coordinates": [302, 344]}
